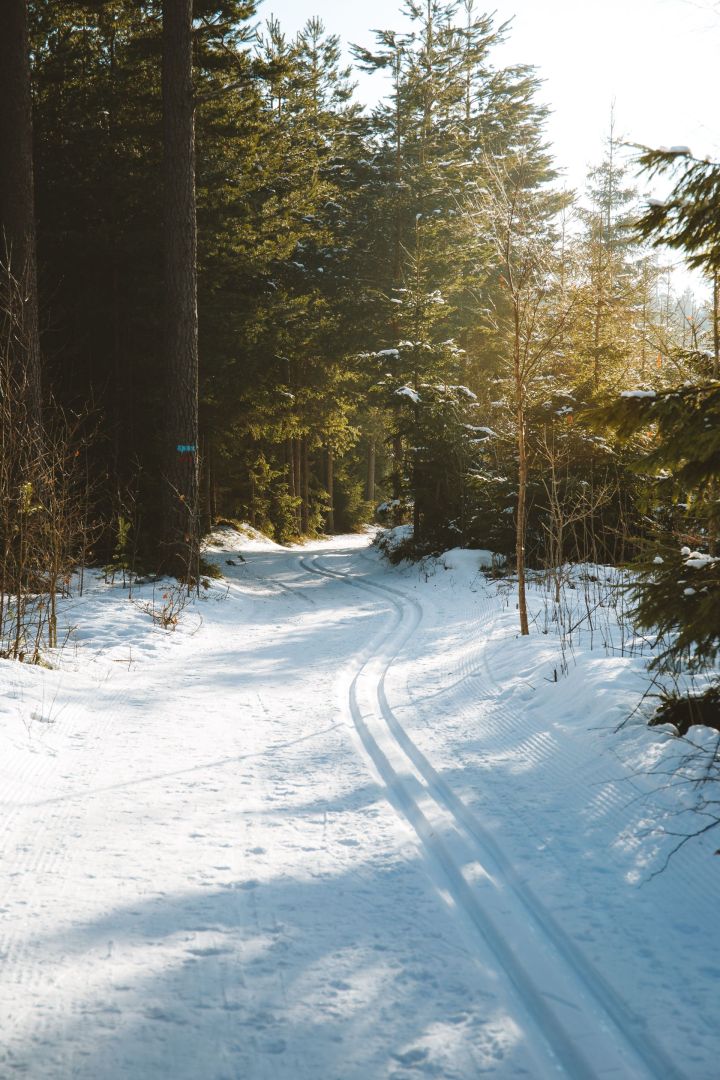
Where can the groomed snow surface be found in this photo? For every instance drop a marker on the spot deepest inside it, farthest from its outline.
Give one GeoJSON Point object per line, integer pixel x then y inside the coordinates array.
{"type": "Point", "coordinates": [343, 824]}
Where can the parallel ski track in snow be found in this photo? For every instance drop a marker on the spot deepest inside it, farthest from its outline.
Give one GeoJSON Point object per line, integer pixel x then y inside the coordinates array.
{"type": "Point", "coordinates": [614, 1040]}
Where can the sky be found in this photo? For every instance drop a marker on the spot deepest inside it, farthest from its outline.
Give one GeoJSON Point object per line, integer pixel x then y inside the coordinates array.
{"type": "Point", "coordinates": [657, 60]}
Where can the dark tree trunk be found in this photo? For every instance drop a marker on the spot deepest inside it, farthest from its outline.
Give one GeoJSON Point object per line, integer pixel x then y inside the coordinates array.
{"type": "Point", "coordinates": [370, 481]}
{"type": "Point", "coordinates": [290, 466]}
{"type": "Point", "coordinates": [18, 258]}
{"type": "Point", "coordinates": [305, 487]}
{"type": "Point", "coordinates": [715, 523]}
{"type": "Point", "coordinates": [331, 490]}
{"type": "Point", "coordinates": [521, 522]}
{"type": "Point", "coordinates": [297, 482]}
{"type": "Point", "coordinates": [397, 479]}
{"type": "Point", "coordinates": [417, 516]}
{"type": "Point", "coordinates": [206, 474]}
{"type": "Point", "coordinates": [180, 528]}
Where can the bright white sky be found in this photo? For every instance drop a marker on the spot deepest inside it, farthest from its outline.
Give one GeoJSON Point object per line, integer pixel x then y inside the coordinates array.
{"type": "Point", "coordinates": [657, 59]}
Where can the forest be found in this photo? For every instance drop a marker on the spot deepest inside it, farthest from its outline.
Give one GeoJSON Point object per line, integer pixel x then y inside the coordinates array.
{"type": "Point", "coordinates": [359, 549]}
{"type": "Point", "coordinates": [232, 292]}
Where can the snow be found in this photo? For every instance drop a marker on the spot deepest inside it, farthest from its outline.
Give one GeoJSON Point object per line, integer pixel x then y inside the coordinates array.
{"type": "Point", "coordinates": [697, 560]}
{"type": "Point", "coordinates": [481, 430]}
{"type": "Point", "coordinates": [238, 538]}
{"type": "Point", "coordinates": [344, 824]}
{"type": "Point", "coordinates": [390, 540]}
{"type": "Point", "coordinates": [408, 392]}
{"type": "Point", "coordinates": [638, 394]}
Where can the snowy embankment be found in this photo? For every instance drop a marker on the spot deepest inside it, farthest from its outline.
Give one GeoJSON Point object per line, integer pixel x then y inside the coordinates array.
{"type": "Point", "coordinates": [343, 824]}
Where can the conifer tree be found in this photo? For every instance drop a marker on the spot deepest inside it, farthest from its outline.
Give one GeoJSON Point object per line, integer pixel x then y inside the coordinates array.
{"type": "Point", "coordinates": [448, 112]}
{"type": "Point", "coordinates": [679, 449]}
{"type": "Point", "coordinates": [614, 333]}
{"type": "Point", "coordinates": [18, 256]}
{"type": "Point", "coordinates": [528, 323]}
{"type": "Point", "coordinates": [180, 540]}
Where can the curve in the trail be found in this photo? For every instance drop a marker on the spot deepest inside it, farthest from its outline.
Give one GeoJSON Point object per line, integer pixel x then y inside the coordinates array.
{"type": "Point", "coordinates": [617, 1014]}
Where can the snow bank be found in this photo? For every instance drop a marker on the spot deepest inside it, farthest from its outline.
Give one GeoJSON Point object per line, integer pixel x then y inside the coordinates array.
{"type": "Point", "coordinates": [239, 538]}
{"type": "Point", "coordinates": [389, 540]}
{"type": "Point", "coordinates": [469, 561]}
{"type": "Point", "coordinates": [209, 871]}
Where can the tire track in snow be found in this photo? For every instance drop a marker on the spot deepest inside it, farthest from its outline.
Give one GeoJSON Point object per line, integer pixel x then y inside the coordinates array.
{"type": "Point", "coordinates": [616, 1036]}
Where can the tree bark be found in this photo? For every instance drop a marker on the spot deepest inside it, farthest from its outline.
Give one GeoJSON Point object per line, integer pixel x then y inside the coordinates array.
{"type": "Point", "coordinates": [180, 546]}
{"type": "Point", "coordinates": [714, 524]}
{"type": "Point", "coordinates": [207, 512]}
{"type": "Point", "coordinates": [297, 484]}
{"type": "Point", "coordinates": [417, 515]}
{"type": "Point", "coordinates": [18, 256]}
{"type": "Point", "coordinates": [305, 487]}
{"type": "Point", "coordinates": [521, 524]}
{"type": "Point", "coordinates": [331, 490]}
{"type": "Point", "coordinates": [397, 478]}
{"type": "Point", "coordinates": [370, 482]}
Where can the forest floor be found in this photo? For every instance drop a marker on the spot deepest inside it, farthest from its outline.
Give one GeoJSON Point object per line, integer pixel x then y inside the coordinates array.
{"type": "Point", "coordinates": [343, 824]}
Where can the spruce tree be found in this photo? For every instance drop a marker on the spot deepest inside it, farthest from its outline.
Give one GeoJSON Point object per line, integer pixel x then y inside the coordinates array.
{"type": "Point", "coordinates": [679, 449]}
{"type": "Point", "coordinates": [18, 256]}
{"type": "Point", "coordinates": [179, 544]}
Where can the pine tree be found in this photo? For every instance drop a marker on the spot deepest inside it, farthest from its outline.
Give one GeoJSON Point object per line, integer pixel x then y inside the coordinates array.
{"type": "Point", "coordinates": [615, 280]}
{"type": "Point", "coordinates": [18, 257]}
{"type": "Point", "coordinates": [528, 323]}
{"type": "Point", "coordinates": [180, 541]}
{"type": "Point", "coordinates": [449, 111]}
{"type": "Point", "coordinates": [679, 448]}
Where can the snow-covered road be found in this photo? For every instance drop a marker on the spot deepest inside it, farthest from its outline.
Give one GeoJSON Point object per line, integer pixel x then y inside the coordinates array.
{"type": "Point", "coordinates": [329, 831]}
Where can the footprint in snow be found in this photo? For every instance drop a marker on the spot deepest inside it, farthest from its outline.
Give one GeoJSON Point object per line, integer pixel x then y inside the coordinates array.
{"type": "Point", "coordinates": [274, 1046]}
{"type": "Point", "coordinates": [209, 951]}
{"type": "Point", "coordinates": [411, 1057]}
{"type": "Point", "coordinates": [157, 1013]}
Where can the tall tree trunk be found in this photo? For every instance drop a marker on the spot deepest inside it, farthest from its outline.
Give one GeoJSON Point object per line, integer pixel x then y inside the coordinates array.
{"type": "Point", "coordinates": [370, 480]}
{"type": "Point", "coordinates": [180, 546]}
{"type": "Point", "coordinates": [207, 514]}
{"type": "Point", "coordinates": [397, 479]}
{"type": "Point", "coordinates": [18, 257]}
{"type": "Point", "coordinates": [305, 487]}
{"type": "Point", "coordinates": [331, 490]}
{"type": "Point", "coordinates": [714, 523]}
{"type": "Point", "coordinates": [522, 523]}
{"type": "Point", "coordinates": [417, 515]}
{"type": "Point", "coordinates": [297, 483]}
{"type": "Point", "coordinates": [290, 466]}
{"type": "Point", "coordinates": [716, 325]}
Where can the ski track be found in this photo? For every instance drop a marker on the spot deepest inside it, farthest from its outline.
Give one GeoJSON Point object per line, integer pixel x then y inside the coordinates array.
{"type": "Point", "coordinates": [214, 963]}
{"type": "Point", "coordinates": [644, 939]}
{"type": "Point", "coordinates": [648, 953]}
{"type": "Point", "coordinates": [640, 1056]}
{"type": "Point", "coordinates": [305, 887]}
